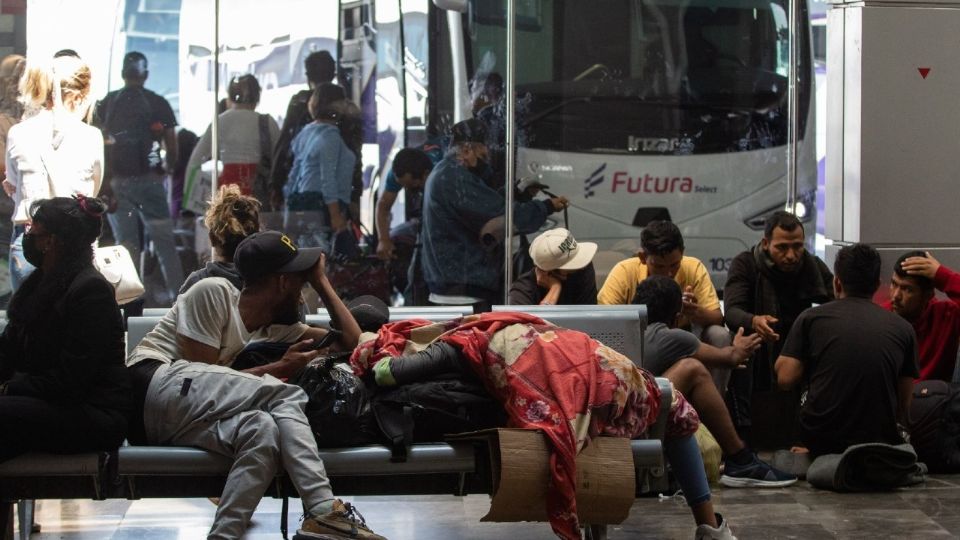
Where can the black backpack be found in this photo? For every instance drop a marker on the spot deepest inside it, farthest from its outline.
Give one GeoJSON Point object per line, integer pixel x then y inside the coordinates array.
{"type": "Point", "coordinates": [126, 123]}
{"type": "Point", "coordinates": [935, 425]}
{"type": "Point", "coordinates": [426, 411]}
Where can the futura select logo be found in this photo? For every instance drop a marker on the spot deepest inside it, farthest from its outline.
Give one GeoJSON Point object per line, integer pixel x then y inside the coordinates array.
{"type": "Point", "coordinates": [592, 181]}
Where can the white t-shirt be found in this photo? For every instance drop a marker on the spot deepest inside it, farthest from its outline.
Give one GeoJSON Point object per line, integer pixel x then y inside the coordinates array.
{"type": "Point", "coordinates": [208, 312]}
{"type": "Point", "coordinates": [72, 154]}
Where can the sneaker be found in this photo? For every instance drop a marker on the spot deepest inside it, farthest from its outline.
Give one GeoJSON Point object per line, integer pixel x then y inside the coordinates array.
{"type": "Point", "coordinates": [720, 532]}
{"type": "Point", "coordinates": [344, 521]}
{"type": "Point", "coordinates": [754, 474]}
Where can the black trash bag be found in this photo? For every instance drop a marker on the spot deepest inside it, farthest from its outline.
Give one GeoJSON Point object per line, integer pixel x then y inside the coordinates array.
{"type": "Point", "coordinates": [339, 409]}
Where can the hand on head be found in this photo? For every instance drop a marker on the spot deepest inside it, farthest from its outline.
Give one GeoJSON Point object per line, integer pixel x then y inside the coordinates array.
{"type": "Point", "coordinates": [921, 266]}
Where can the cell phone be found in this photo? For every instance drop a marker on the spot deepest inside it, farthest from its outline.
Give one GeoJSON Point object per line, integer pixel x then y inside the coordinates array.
{"type": "Point", "coordinates": [327, 340]}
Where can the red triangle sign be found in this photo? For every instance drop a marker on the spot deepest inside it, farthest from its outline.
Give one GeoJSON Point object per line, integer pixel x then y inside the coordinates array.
{"type": "Point", "coordinates": [924, 72]}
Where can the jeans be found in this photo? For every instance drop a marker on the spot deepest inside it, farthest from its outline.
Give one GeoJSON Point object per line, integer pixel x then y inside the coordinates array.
{"type": "Point", "coordinates": [687, 463]}
{"type": "Point", "coordinates": [144, 199]}
{"type": "Point", "coordinates": [20, 269]}
{"type": "Point", "coordinates": [257, 421]}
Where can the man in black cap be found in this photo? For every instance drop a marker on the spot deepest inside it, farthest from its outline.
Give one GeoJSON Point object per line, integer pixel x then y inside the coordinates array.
{"type": "Point", "coordinates": [136, 123]}
{"type": "Point", "coordinates": [457, 204]}
{"type": "Point", "coordinates": [191, 397]}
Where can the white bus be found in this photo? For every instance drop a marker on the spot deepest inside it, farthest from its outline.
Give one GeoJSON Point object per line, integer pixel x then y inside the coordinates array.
{"type": "Point", "coordinates": [653, 109]}
{"type": "Point", "coordinates": [634, 109]}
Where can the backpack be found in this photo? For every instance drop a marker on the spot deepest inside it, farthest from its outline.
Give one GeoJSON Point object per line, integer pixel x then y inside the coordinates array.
{"type": "Point", "coordinates": [427, 411]}
{"type": "Point", "coordinates": [935, 425]}
{"type": "Point", "coordinates": [127, 122]}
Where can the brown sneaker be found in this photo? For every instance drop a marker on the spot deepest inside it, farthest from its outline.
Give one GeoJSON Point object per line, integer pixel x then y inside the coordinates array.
{"type": "Point", "coordinates": [344, 521]}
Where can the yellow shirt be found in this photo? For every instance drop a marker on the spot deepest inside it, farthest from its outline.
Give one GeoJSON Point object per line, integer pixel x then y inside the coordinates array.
{"type": "Point", "coordinates": [621, 284]}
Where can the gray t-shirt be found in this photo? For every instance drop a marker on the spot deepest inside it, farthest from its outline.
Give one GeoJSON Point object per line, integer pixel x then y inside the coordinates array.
{"type": "Point", "coordinates": [663, 346]}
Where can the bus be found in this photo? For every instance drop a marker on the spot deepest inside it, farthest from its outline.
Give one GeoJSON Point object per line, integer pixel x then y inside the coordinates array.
{"type": "Point", "coordinates": [634, 109]}
{"type": "Point", "coordinates": [639, 110]}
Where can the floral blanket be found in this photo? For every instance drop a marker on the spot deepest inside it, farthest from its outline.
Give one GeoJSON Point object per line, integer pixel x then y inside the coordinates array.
{"type": "Point", "coordinates": [560, 381]}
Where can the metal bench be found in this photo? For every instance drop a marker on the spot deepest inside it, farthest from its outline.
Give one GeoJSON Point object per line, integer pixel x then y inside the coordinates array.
{"type": "Point", "coordinates": [134, 472]}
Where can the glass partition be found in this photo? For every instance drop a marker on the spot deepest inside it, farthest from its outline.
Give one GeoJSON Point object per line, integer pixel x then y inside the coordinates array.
{"type": "Point", "coordinates": [634, 110]}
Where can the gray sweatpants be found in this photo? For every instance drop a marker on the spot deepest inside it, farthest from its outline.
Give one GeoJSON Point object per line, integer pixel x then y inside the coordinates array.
{"type": "Point", "coordinates": [258, 421]}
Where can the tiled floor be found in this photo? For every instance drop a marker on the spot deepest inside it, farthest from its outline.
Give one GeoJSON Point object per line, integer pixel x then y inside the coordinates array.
{"type": "Point", "coordinates": [931, 510]}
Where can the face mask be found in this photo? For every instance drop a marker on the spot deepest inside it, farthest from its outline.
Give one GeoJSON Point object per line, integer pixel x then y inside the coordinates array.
{"type": "Point", "coordinates": [482, 169]}
{"type": "Point", "coordinates": [30, 250]}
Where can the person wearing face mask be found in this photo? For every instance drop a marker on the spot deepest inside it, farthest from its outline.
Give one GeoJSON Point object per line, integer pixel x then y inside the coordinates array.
{"type": "Point", "coordinates": [53, 153]}
{"type": "Point", "coordinates": [457, 204]}
{"type": "Point", "coordinates": [767, 289]}
{"type": "Point", "coordinates": [63, 384]}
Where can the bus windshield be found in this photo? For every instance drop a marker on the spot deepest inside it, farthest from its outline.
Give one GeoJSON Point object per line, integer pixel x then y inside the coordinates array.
{"type": "Point", "coordinates": [700, 76]}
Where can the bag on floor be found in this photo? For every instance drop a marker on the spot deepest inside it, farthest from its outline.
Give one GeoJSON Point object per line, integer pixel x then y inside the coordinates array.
{"type": "Point", "coordinates": [427, 411]}
{"type": "Point", "coordinates": [935, 425]}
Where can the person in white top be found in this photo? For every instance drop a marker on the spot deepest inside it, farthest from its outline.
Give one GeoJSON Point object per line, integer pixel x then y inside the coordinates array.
{"type": "Point", "coordinates": [53, 153]}
{"type": "Point", "coordinates": [246, 140]}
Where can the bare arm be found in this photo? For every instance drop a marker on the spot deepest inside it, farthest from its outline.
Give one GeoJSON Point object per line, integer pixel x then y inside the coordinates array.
{"type": "Point", "coordinates": [789, 370]}
{"type": "Point", "coordinates": [384, 206]}
{"type": "Point", "coordinates": [170, 145]}
{"type": "Point", "coordinates": [337, 220]}
{"type": "Point", "coordinates": [707, 317]}
{"type": "Point", "coordinates": [732, 356]}
{"type": "Point", "coordinates": [904, 398]}
{"type": "Point", "coordinates": [339, 314]}
{"type": "Point", "coordinates": [297, 356]}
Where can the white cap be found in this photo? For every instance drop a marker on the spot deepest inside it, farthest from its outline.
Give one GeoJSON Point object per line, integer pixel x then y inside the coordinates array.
{"type": "Point", "coordinates": [557, 249]}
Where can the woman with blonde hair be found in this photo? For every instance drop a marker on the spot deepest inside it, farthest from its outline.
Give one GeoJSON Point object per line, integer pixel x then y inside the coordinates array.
{"type": "Point", "coordinates": [231, 217]}
{"type": "Point", "coordinates": [53, 153]}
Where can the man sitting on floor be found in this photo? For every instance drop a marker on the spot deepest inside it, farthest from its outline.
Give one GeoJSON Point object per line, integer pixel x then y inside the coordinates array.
{"type": "Point", "coordinates": [662, 254]}
{"type": "Point", "coordinates": [855, 360]}
{"type": "Point", "coordinates": [189, 396]}
{"type": "Point", "coordinates": [916, 278]}
{"type": "Point", "coordinates": [681, 357]}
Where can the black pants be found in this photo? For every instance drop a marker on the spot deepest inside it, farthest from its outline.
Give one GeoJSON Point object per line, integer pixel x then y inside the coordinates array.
{"type": "Point", "coordinates": [29, 424]}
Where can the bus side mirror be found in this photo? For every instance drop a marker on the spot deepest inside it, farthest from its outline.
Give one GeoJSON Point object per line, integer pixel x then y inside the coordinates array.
{"type": "Point", "coordinates": [452, 5]}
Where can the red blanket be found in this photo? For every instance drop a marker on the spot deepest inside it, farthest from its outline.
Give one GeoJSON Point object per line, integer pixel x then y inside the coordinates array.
{"type": "Point", "coordinates": [560, 381]}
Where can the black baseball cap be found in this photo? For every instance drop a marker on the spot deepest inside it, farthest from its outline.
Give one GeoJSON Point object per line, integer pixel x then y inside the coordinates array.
{"type": "Point", "coordinates": [272, 252]}
{"type": "Point", "coordinates": [471, 130]}
{"type": "Point", "coordinates": [369, 311]}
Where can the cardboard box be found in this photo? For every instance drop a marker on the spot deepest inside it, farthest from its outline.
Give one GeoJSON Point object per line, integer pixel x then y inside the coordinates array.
{"type": "Point", "coordinates": [520, 461]}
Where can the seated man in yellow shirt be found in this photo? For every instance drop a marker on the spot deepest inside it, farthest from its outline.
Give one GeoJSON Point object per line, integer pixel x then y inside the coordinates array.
{"type": "Point", "coordinates": [662, 255]}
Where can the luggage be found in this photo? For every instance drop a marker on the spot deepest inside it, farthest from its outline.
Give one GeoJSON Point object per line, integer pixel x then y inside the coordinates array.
{"type": "Point", "coordinates": [935, 425]}
{"type": "Point", "coordinates": [427, 411]}
{"type": "Point", "coordinates": [364, 275]}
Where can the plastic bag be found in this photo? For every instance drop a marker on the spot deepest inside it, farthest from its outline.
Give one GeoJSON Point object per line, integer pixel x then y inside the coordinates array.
{"type": "Point", "coordinates": [339, 409]}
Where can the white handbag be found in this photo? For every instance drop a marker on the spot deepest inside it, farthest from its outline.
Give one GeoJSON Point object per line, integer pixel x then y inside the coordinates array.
{"type": "Point", "coordinates": [113, 262]}
{"type": "Point", "coordinates": [116, 265]}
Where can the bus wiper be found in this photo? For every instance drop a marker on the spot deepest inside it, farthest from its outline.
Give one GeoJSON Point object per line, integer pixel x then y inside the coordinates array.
{"type": "Point", "coordinates": [550, 110]}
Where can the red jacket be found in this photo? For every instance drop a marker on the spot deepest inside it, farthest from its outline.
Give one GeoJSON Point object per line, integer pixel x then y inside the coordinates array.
{"type": "Point", "coordinates": [938, 329]}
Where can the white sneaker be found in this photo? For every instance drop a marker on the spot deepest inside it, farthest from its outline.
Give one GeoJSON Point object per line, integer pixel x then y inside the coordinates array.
{"type": "Point", "coordinates": [720, 532]}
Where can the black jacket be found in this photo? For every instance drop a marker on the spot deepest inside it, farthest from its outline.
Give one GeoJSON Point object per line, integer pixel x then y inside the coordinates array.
{"type": "Point", "coordinates": [754, 288]}
{"type": "Point", "coordinates": [74, 354]}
